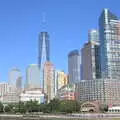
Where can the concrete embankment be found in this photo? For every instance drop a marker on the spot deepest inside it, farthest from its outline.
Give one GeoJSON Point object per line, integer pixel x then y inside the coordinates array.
{"type": "Point", "coordinates": [61, 117]}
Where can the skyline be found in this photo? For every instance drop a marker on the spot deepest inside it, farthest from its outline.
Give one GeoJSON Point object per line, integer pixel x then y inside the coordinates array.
{"type": "Point", "coordinates": [65, 28]}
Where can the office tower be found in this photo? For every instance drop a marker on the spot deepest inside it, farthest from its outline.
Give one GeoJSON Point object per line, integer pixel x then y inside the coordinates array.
{"type": "Point", "coordinates": [33, 76]}
{"type": "Point", "coordinates": [44, 50]}
{"type": "Point", "coordinates": [93, 35]}
{"type": "Point", "coordinates": [44, 53]}
{"type": "Point", "coordinates": [74, 62]}
{"type": "Point", "coordinates": [13, 76]}
{"type": "Point", "coordinates": [90, 57]}
{"type": "Point", "coordinates": [49, 81]}
{"type": "Point", "coordinates": [19, 84]}
{"type": "Point", "coordinates": [109, 30]}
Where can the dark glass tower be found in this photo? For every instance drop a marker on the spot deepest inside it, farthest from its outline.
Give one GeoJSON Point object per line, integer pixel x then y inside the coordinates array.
{"type": "Point", "coordinates": [109, 32]}
{"type": "Point", "coordinates": [44, 52]}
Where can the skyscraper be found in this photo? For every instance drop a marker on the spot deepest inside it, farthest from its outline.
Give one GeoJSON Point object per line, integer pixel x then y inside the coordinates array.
{"type": "Point", "coordinates": [14, 75]}
{"type": "Point", "coordinates": [44, 53]}
{"type": "Point", "coordinates": [109, 28]}
{"type": "Point", "coordinates": [74, 66]}
{"type": "Point", "coordinates": [90, 60]}
{"type": "Point", "coordinates": [93, 35]}
{"type": "Point", "coordinates": [33, 76]}
{"type": "Point", "coordinates": [49, 80]}
{"type": "Point", "coordinates": [61, 79]}
{"type": "Point", "coordinates": [44, 50]}
{"type": "Point", "coordinates": [90, 56]}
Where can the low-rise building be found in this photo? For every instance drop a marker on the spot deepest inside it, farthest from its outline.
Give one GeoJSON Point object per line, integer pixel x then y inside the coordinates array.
{"type": "Point", "coordinates": [11, 97]}
{"type": "Point", "coordinates": [34, 94]}
{"type": "Point", "coordinates": [66, 92]}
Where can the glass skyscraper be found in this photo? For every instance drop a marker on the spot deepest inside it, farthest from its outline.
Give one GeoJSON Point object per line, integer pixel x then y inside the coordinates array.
{"type": "Point", "coordinates": [74, 65]}
{"type": "Point", "coordinates": [109, 30]}
{"type": "Point", "coordinates": [93, 35]}
{"type": "Point", "coordinates": [44, 53]}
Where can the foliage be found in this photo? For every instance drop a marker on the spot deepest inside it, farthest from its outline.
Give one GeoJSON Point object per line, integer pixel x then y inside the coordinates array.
{"type": "Point", "coordinates": [7, 109]}
{"type": "Point", "coordinates": [1, 107]}
{"type": "Point", "coordinates": [69, 106]}
{"type": "Point", "coordinates": [104, 108]}
{"type": "Point", "coordinates": [55, 106]}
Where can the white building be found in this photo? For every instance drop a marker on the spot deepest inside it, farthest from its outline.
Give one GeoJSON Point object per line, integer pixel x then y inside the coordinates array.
{"type": "Point", "coordinates": [33, 76]}
{"type": "Point", "coordinates": [7, 95]}
{"type": "Point", "coordinates": [114, 109]}
{"type": "Point", "coordinates": [14, 75]}
{"type": "Point", "coordinates": [32, 94]}
{"type": "Point", "coordinates": [11, 97]}
{"type": "Point", "coordinates": [4, 88]}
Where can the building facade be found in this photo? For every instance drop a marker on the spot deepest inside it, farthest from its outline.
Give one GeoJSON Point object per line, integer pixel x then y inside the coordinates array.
{"type": "Point", "coordinates": [61, 79]}
{"type": "Point", "coordinates": [34, 94]}
{"type": "Point", "coordinates": [109, 28]}
{"type": "Point", "coordinates": [4, 88]}
{"type": "Point", "coordinates": [93, 35]}
{"type": "Point", "coordinates": [14, 75]}
{"type": "Point", "coordinates": [43, 53]}
{"type": "Point", "coordinates": [49, 81]}
{"type": "Point", "coordinates": [10, 97]}
{"type": "Point", "coordinates": [105, 91]}
{"type": "Point", "coordinates": [90, 60]}
{"type": "Point", "coordinates": [66, 92]}
{"type": "Point", "coordinates": [32, 76]}
{"type": "Point", "coordinates": [74, 66]}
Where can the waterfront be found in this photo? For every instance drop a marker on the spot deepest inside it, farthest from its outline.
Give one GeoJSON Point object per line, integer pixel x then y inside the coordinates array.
{"type": "Point", "coordinates": [88, 116]}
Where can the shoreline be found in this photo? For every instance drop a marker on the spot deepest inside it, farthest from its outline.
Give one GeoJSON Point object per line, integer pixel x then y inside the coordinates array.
{"type": "Point", "coordinates": [85, 116]}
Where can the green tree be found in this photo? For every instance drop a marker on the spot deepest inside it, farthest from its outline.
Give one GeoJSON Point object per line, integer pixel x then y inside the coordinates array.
{"type": "Point", "coordinates": [7, 109]}
{"type": "Point", "coordinates": [54, 105]}
{"type": "Point", "coordinates": [1, 107]}
{"type": "Point", "coordinates": [32, 106]}
{"type": "Point", "coordinates": [69, 106]}
{"type": "Point", "coordinates": [104, 108]}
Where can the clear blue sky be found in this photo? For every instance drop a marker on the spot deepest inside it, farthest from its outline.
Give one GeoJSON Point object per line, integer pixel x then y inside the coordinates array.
{"type": "Point", "coordinates": [68, 22]}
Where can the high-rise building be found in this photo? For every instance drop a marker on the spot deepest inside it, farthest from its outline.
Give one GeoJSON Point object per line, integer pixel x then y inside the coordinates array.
{"type": "Point", "coordinates": [90, 60]}
{"type": "Point", "coordinates": [61, 79]}
{"type": "Point", "coordinates": [32, 76]}
{"type": "Point", "coordinates": [49, 81]}
{"type": "Point", "coordinates": [109, 30]}
{"type": "Point", "coordinates": [74, 66]}
{"type": "Point", "coordinates": [14, 75]}
{"type": "Point", "coordinates": [19, 84]}
{"type": "Point", "coordinates": [44, 53]}
{"type": "Point", "coordinates": [44, 49]}
{"type": "Point", "coordinates": [93, 35]}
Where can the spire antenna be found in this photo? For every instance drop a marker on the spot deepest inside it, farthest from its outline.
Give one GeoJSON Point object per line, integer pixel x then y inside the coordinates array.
{"type": "Point", "coordinates": [44, 20]}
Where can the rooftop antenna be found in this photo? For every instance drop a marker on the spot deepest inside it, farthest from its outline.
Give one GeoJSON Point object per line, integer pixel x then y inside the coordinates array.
{"type": "Point", "coordinates": [44, 21]}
